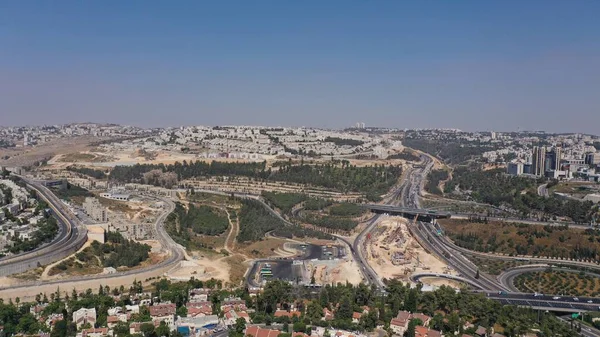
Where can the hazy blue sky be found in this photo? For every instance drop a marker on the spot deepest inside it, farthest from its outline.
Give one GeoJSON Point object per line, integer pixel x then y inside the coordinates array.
{"type": "Point", "coordinates": [486, 65]}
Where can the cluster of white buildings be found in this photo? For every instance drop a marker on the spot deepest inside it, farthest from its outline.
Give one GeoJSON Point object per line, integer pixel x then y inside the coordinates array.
{"type": "Point", "coordinates": [17, 213]}
{"type": "Point", "coordinates": [33, 135]}
{"type": "Point", "coordinates": [94, 209]}
{"type": "Point", "coordinates": [252, 142]}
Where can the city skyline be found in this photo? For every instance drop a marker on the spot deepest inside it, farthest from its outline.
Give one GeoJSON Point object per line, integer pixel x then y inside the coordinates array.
{"type": "Point", "coordinates": [470, 66]}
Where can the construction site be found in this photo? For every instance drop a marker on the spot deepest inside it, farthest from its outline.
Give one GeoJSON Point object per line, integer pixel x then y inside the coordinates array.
{"type": "Point", "coordinates": [394, 254]}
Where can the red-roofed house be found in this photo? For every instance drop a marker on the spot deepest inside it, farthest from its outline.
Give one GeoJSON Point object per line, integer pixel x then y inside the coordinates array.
{"type": "Point", "coordinates": [424, 318]}
{"type": "Point", "coordinates": [356, 317]}
{"type": "Point", "coordinates": [94, 332]}
{"type": "Point", "coordinates": [135, 326]}
{"type": "Point", "coordinates": [158, 310]}
{"type": "Point", "coordinates": [37, 309]}
{"type": "Point", "coordinates": [481, 331]}
{"type": "Point", "coordinates": [53, 319]}
{"type": "Point", "coordinates": [327, 315]}
{"type": "Point", "coordinates": [400, 323]}
{"type": "Point", "coordinates": [421, 331]}
{"type": "Point", "coordinates": [163, 312]}
{"type": "Point", "coordinates": [112, 321]}
{"type": "Point", "coordinates": [199, 309]}
{"type": "Point", "coordinates": [231, 316]}
{"type": "Point", "coordinates": [300, 334]}
{"type": "Point", "coordinates": [290, 314]}
{"type": "Point", "coordinates": [256, 331]}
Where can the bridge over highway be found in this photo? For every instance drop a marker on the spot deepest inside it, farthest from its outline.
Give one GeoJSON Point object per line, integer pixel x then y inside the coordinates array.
{"type": "Point", "coordinates": [408, 212]}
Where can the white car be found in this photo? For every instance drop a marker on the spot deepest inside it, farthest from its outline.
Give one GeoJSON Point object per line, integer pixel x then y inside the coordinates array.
{"type": "Point", "coordinates": [556, 298]}
{"type": "Point", "coordinates": [590, 301]}
{"type": "Point", "coordinates": [575, 299]}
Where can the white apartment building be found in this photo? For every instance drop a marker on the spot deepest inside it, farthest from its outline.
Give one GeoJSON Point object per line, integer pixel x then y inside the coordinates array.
{"type": "Point", "coordinates": [83, 316]}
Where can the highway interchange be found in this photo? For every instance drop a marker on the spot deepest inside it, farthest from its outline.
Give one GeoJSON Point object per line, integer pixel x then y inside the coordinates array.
{"type": "Point", "coordinates": [73, 234]}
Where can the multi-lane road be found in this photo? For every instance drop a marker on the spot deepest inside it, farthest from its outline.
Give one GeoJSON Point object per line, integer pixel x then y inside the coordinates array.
{"type": "Point", "coordinates": [432, 238]}
{"type": "Point", "coordinates": [72, 235]}
{"type": "Point", "coordinates": [30, 289]}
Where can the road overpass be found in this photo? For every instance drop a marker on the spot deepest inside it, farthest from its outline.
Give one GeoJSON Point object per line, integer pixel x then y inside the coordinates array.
{"type": "Point", "coordinates": [408, 212]}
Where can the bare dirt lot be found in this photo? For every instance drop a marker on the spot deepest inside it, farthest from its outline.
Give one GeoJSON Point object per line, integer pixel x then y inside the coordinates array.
{"type": "Point", "coordinates": [394, 253]}
{"type": "Point", "coordinates": [26, 156]}
{"type": "Point", "coordinates": [327, 272]}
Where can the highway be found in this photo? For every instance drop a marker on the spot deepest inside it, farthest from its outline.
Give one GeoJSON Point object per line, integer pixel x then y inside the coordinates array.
{"type": "Point", "coordinates": [175, 251]}
{"type": "Point", "coordinates": [402, 195]}
{"type": "Point", "coordinates": [72, 235]}
{"type": "Point", "coordinates": [397, 196]}
{"type": "Point", "coordinates": [432, 238]}
{"type": "Point", "coordinates": [357, 251]}
{"type": "Point", "coordinates": [550, 303]}
{"type": "Point", "coordinates": [586, 331]}
{"type": "Point", "coordinates": [431, 242]}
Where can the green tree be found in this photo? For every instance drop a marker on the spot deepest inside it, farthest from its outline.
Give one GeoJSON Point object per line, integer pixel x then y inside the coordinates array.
{"type": "Point", "coordinates": [147, 329]}
{"type": "Point", "coordinates": [238, 328]}
{"type": "Point", "coordinates": [60, 329]}
{"type": "Point", "coordinates": [410, 303]}
{"type": "Point", "coordinates": [299, 326]}
{"type": "Point", "coordinates": [345, 311]}
{"type": "Point", "coordinates": [163, 330]}
{"type": "Point", "coordinates": [121, 329]}
{"type": "Point", "coordinates": [324, 298]}
{"type": "Point", "coordinates": [314, 311]}
{"type": "Point", "coordinates": [182, 311]}
{"type": "Point", "coordinates": [410, 330]}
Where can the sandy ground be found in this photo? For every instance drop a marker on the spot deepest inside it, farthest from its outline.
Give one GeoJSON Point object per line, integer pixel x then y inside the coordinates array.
{"type": "Point", "coordinates": [201, 269]}
{"type": "Point", "coordinates": [24, 156]}
{"type": "Point", "coordinates": [436, 282]}
{"type": "Point", "coordinates": [345, 270]}
{"type": "Point", "coordinates": [28, 290]}
{"type": "Point", "coordinates": [392, 238]}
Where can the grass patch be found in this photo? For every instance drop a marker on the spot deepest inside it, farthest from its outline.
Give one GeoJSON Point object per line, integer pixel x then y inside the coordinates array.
{"type": "Point", "coordinates": [30, 275]}
{"type": "Point", "coordinates": [493, 266]}
{"type": "Point", "coordinates": [72, 193]}
{"type": "Point", "coordinates": [261, 249]}
{"type": "Point", "coordinates": [559, 282]}
{"type": "Point", "coordinates": [346, 209]}
{"type": "Point", "coordinates": [236, 273]}
{"type": "Point", "coordinates": [83, 157]}
{"type": "Point", "coordinates": [575, 188]}
{"type": "Point", "coordinates": [284, 201]}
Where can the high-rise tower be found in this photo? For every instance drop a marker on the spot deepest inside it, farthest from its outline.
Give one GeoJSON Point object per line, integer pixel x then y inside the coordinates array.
{"type": "Point", "coordinates": [538, 161]}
